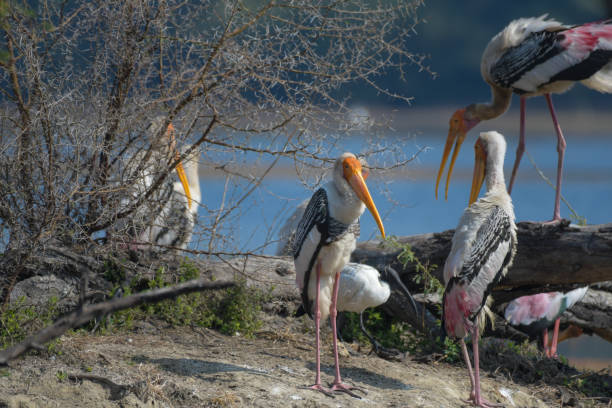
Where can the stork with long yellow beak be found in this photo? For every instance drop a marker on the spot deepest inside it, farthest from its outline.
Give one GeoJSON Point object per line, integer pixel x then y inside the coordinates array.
{"type": "Point", "coordinates": [173, 227]}
{"type": "Point", "coordinates": [324, 240]}
{"type": "Point", "coordinates": [168, 217]}
{"type": "Point", "coordinates": [483, 248]}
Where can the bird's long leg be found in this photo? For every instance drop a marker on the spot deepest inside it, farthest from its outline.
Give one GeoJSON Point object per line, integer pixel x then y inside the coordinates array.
{"type": "Point", "coordinates": [553, 347]}
{"type": "Point", "coordinates": [337, 384]}
{"type": "Point", "coordinates": [520, 148]}
{"type": "Point", "coordinates": [466, 357]}
{"type": "Point", "coordinates": [317, 385]}
{"type": "Point", "coordinates": [545, 343]}
{"type": "Point", "coordinates": [561, 151]}
{"type": "Point", "coordinates": [478, 400]}
{"type": "Point", "coordinates": [375, 344]}
{"type": "Point", "coordinates": [383, 352]}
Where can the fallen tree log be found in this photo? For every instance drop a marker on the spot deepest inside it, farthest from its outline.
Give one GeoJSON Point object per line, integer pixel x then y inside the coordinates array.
{"type": "Point", "coordinates": [549, 257]}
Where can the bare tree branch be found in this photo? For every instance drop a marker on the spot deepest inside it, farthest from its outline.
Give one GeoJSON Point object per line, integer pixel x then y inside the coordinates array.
{"type": "Point", "coordinates": [87, 312]}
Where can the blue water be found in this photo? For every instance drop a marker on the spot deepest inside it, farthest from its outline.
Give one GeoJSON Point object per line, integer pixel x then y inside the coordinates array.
{"type": "Point", "coordinates": [407, 202]}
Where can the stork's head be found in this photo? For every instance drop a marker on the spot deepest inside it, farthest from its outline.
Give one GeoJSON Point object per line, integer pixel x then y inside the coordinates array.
{"type": "Point", "coordinates": [167, 143]}
{"type": "Point", "coordinates": [460, 123]}
{"type": "Point", "coordinates": [353, 172]}
{"type": "Point", "coordinates": [489, 152]}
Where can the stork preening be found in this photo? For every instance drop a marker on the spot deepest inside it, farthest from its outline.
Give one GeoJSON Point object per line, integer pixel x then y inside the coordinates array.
{"type": "Point", "coordinates": [534, 314]}
{"type": "Point", "coordinates": [167, 217]}
{"type": "Point", "coordinates": [483, 248]}
{"type": "Point", "coordinates": [531, 57]}
{"type": "Point", "coordinates": [324, 240]}
{"type": "Point", "coordinates": [361, 286]}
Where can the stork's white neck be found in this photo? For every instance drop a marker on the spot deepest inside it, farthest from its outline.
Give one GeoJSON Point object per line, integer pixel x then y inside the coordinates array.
{"type": "Point", "coordinates": [344, 205]}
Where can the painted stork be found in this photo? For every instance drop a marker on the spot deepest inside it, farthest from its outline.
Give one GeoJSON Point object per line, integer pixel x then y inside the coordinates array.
{"type": "Point", "coordinates": [324, 240]}
{"type": "Point", "coordinates": [483, 248]}
{"type": "Point", "coordinates": [361, 286]}
{"type": "Point", "coordinates": [173, 227]}
{"type": "Point", "coordinates": [531, 57]}
{"type": "Point", "coordinates": [167, 217]}
{"type": "Point", "coordinates": [534, 314]}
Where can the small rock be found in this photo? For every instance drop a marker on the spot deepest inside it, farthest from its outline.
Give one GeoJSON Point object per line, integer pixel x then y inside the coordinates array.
{"type": "Point", "coordinates": [38, 290]}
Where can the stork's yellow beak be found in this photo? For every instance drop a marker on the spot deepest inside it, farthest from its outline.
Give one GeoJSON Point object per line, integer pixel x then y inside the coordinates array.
{"type": "Point", "coordinates": [456, 133]}
{"type": "Point", "coordinates": [353, 174]}
{"type": "Point", "coordinates": [179, 167]}
{"type": "Point", "coordinates": [480, 162]}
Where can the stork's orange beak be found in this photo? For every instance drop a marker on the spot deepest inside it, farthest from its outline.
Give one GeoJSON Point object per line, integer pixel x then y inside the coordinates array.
{"type": "Point", "coordinates": [353, 174]}
{"type": "Point", "coordinates": [458, 128]}
{"type": "Point", "coordinates": [480, 163]}
{"type": "Point", "coordinates": [179, 167]}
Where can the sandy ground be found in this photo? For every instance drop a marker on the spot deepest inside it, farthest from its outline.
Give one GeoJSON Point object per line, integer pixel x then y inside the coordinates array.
{"type": "Point", "coordinates": [158, 366]}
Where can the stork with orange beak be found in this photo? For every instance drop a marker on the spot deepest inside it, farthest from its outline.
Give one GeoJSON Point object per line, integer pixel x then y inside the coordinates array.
{"type": "Point", "coordinates": [532, 57]}
{"type": "Point", "coordinates": [483, 248]}
{"type": "Point", "coordinates": [168, 216]}
{"type": "Point", "coordinates": [324, 240]}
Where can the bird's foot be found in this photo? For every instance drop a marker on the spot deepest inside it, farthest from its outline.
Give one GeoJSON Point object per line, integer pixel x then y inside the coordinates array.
{"type": "Point", "coordinates": [481, 402]}
{"type": "Point", "coordinates": [341, 387]}
{"type": "Point", "coordinates": [320, 388]}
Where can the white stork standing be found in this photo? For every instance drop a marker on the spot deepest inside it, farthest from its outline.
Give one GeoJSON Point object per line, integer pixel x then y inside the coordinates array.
{"type": "Point", "coordinates": [361, 286]}
{"type": "Point", "coordinates": [482, 250]}
{"type": "Point", "coordinates": [173, 227]}
{"type": "Point", "coordinates": [168, 215]}
{"type": "Point", "coordinates": [531, 57]}
{"type": "Point", "coordinates": [324, 241]}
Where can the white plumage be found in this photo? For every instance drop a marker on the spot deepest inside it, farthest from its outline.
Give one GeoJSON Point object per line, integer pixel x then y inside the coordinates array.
{"type": "Point", "coordinates": [530, 57]}
{"type": "Point", "coordinates": [167, 215]}
{"type": "Point", "coordinates": [322, 246]}
{"type": "Point", "coordinates": [361, 288]}
{"type": "Point", "coordinates": [174, 224]}
{"type": "Point", "coordinates": [483, 247]}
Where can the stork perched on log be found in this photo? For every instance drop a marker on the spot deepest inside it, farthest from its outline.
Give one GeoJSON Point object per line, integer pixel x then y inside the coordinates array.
{"type": "Point", "coordinates": [483, 248]}
{"type": "Point", "coordinates": [167, 217]}
{"type": "Point", "coordinates": [324, 240]}
{"type": "Point", "coordinates": [534, 314]}
{"type": "Point", "coordinates": [531, 57]}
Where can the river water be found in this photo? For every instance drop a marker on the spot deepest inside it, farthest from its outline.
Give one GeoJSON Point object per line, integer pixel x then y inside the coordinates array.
{"type": "Point", "coordinates": [406, 200]}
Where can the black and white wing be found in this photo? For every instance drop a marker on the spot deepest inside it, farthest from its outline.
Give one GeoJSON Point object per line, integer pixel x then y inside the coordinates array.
{"type": "Point", "coordinates": [472, 272]}
{"type": "Point", "coordinates": [309, 237]}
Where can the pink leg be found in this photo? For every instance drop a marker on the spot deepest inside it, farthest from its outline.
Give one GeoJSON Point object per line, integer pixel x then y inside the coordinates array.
{"type": "Point", "coordinates": [521, 146]}
{"type": "Point", "coordinates": [338, 385]}
{"type": "Point", "coordinates": [553, 347]}
{"type": "Point", "coordinates": [466, 358]}
{"type": "Point", "coordinates": [478, 400]}
{"type": "Point", "coordinates": [545, 343]}
{"type": "Point", "coordinates": [561, 151]}
{"type": "Point", "coordinates": [317, 385]}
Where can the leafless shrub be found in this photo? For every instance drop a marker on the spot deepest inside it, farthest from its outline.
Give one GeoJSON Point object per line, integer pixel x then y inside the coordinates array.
{"type": "Point", "coordinates": [242, 81]}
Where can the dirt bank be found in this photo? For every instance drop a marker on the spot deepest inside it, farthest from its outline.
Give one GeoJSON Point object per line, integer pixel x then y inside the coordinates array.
{"type": "Point", "coordinates": [155, 365]}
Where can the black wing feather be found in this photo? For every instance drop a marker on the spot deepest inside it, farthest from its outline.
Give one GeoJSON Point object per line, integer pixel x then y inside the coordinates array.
{"type": "Point", "coordinates": [537, 48]}
{"type": "Point", "coordinates": [492, 232]}
{"type": "Point", "coordinates": [315, 215]}
{"type": "Point", "coordinates": [495, 230]}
